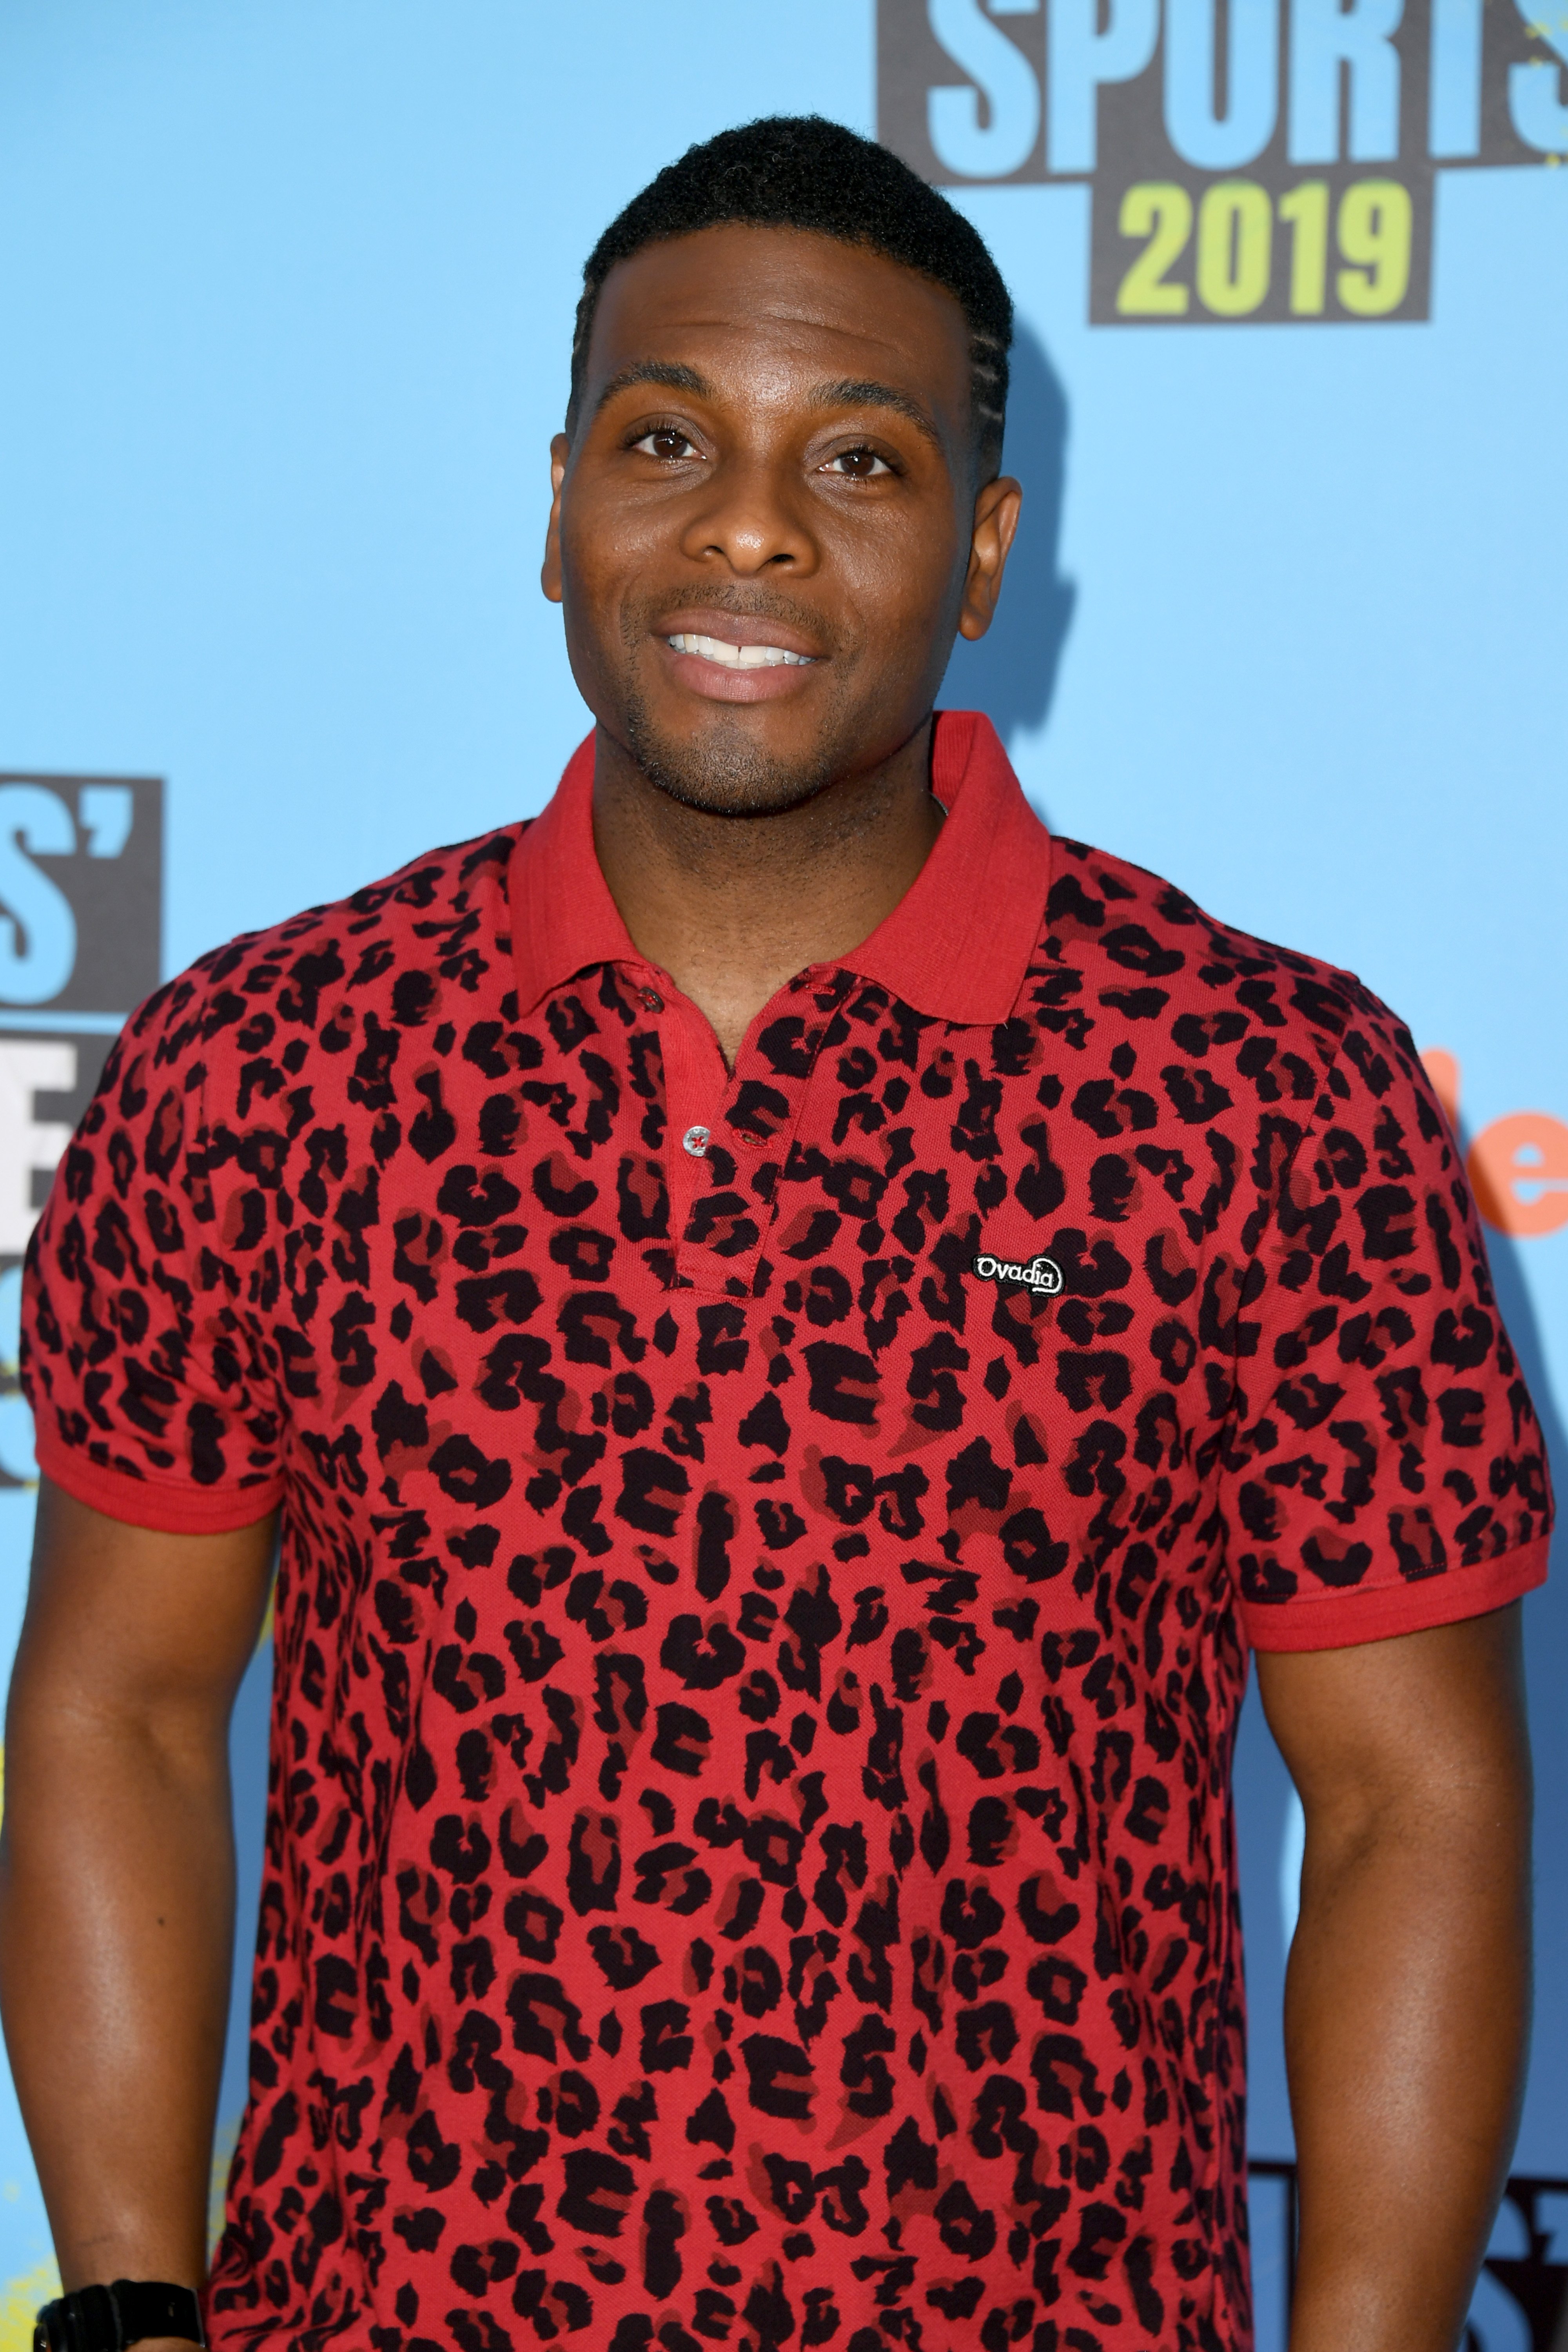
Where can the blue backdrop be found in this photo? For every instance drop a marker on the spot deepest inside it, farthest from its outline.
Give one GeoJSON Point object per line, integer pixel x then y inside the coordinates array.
{"type": "Point", "coordinates": [287, 295]}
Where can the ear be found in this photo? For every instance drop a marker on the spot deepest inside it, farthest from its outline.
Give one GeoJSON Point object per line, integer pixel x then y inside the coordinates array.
{"type": "Point", "coordinates": [996, 511]}
{"type": "Point", "coordinates": [550, 571]}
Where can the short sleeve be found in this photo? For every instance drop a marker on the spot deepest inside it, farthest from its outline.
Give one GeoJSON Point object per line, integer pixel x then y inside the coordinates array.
{"type": "Point", "coordinates": [1388, 1473]}
{"type": "Point", "coordinates": [152, 1397]}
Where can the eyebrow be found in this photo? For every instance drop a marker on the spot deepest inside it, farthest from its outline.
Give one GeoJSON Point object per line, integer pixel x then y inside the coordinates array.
{"type": "Point", "coordinates": [668, 372]}
{"type": "Point", "coordinates": [856, 392]}
{"type": "Point", "coordinates": [848, 392]}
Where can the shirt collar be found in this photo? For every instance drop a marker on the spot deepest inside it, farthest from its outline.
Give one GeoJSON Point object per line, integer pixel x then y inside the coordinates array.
{"type": "Point", "coordinates": [562, 916]}
{"type": "Point", "coordinates": [958, 943]}
{"type": "Point", "coordinates": [956, 946]}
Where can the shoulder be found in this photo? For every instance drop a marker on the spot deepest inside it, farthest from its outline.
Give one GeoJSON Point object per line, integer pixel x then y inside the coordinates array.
{"type": "Point", "coordinates": [440, 918]}
{"type": "Point", "coordinates": [425, 914]}
{"type": "Point", "coordinates": [1151, 952]}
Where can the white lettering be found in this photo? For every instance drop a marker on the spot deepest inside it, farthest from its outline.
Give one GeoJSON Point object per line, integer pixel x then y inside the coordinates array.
{"type": "Point", "coordinates": [37, 929]}
{"type": "Point", "coordinates": [1360, 38]}
{"type": "Point", "coordinates": [1216, 141]}
{"type": "Point", "coordinates": [1535, 91]}
{"type": "Point", "coordinates": [1081, 58]}
{"type": "Point", "coordinates": [1042, 1274]}
{"type": "Point", "coordinates": [1001, 74]}
{"type": "Point", "coordinates": [106, 812]}
{"type": "Point", "coordinates": [28, 1144]}
{"type": "Point", "coordinates": [1455, 93]}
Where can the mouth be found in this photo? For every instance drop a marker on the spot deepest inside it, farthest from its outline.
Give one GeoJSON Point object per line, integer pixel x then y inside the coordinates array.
{"type": "Point", "coordinates": [732, 656]}
{"type": "Point", "coordinates": [738, 657]}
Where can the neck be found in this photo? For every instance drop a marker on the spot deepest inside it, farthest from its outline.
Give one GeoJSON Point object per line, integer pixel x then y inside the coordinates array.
{"type": "Point", "coordinates": [732, 908]}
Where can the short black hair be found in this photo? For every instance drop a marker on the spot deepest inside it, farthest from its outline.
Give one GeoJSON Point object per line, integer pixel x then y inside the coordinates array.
{"type": "Point", "coordinates": [800, 171]}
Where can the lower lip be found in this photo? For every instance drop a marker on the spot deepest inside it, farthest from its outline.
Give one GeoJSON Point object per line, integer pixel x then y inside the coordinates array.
{"type": "Point", "coordinates": [718, 683]}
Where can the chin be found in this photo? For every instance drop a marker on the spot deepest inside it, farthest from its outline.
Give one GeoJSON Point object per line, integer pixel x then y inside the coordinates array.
{"type": "Point", "coordinates": [722, 769]}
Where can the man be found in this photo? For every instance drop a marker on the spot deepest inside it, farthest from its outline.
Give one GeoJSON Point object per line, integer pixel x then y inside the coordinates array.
{"type": "Point", "coordinates": [794, 1329]}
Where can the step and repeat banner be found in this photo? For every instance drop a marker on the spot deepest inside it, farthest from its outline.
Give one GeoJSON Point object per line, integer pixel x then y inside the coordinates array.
{"type": "Point", "coordinates": [286, 297]}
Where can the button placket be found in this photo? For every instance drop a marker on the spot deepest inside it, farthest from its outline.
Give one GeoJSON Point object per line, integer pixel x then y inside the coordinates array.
{"type": "Point", "coordinates": [695, 1083]}
{"type": "Point", "coordinates": [736, 1157]}
{"type": "Point", "coordinates": [705, 1151]}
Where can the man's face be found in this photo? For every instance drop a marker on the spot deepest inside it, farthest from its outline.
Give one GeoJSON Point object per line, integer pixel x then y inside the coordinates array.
{"type": "Point", "coordinates": [766, 529]}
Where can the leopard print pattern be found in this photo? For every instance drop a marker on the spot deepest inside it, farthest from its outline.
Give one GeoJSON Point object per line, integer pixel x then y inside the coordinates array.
{"type": "Point", "coordinates": [749, 1858]}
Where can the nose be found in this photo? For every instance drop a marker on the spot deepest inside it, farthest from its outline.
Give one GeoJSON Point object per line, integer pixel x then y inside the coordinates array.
{"type": "Point", "coordinates": [750, 517]}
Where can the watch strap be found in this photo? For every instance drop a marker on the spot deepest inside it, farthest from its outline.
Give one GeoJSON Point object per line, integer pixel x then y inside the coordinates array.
{"type": "Point", "coordinates": [110, 2318]}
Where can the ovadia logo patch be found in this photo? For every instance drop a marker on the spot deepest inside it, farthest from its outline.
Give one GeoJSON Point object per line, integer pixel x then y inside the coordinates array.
{"type": "Point", "coordinates": [1250, 161]}
{"type": "Point", "coordinates": [1042, 1275]}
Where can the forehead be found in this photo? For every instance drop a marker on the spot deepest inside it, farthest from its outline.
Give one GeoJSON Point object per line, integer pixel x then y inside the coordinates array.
{"type": "Point", "coordinates": [749, 305]}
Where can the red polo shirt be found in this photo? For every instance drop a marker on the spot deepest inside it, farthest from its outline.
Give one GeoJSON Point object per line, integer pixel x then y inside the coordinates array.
{"type": "Point", "coordinates": [768, 1566]}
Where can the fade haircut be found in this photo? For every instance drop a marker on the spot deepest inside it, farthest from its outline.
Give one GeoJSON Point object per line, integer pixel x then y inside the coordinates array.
{"type": "Point", "coordinates": [801, 172]}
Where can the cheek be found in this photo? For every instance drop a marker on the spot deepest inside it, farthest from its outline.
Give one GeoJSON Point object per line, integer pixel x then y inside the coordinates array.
{"type": "Point", "coordinates": [596, 568]}
{"type": "Point", "coordinates": [603, 538]}
{"type": "Point", "coordinates": [584, 538]}
{"type": "Point", "coordinates": [588, 614]}
{"type": "Point", "coordinates": [906, 553]}
{"type": "Point", "coordinates": [906, 583]}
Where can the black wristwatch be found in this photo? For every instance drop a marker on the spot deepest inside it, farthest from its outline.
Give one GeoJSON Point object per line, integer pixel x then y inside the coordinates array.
{"type": "Point", "coordinates": [107, 2318]}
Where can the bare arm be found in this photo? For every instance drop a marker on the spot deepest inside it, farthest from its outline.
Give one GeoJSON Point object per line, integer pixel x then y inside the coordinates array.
{"type": "Point", "coordinates": [1408, 1998]}
{"type": "Point", "coordinates": [117, 1876]}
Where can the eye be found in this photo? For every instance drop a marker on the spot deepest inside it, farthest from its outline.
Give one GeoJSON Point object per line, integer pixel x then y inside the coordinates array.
{"type": "Point", "coordinates": [856, 465]}
{"type": "Point", "coordinates": [665, 441]}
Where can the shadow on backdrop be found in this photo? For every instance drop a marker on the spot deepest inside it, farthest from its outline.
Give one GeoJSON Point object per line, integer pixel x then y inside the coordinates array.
{"type": "Point", "coordinates": [1011, 673]}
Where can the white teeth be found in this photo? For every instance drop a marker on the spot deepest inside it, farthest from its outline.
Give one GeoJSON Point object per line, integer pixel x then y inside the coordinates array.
{"type": "Point", "coordinates": [718, 649]}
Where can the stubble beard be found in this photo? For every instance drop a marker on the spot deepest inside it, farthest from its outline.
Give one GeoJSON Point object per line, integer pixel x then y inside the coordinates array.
{"type": "Point", "coordinates": [721, 771]}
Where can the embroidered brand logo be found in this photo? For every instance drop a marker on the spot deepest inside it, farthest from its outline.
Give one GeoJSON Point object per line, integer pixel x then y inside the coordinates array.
{"type": "Point", "coordinates": [1040, 1274]}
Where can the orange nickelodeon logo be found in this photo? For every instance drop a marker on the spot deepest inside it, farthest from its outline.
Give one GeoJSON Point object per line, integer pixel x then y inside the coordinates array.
{"type": "Point", "coordinates": [1518, 1166]}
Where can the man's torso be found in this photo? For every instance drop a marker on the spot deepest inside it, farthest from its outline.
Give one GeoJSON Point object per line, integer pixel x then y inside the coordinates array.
{"type": "Point", "coordinates": [749, 1852]}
